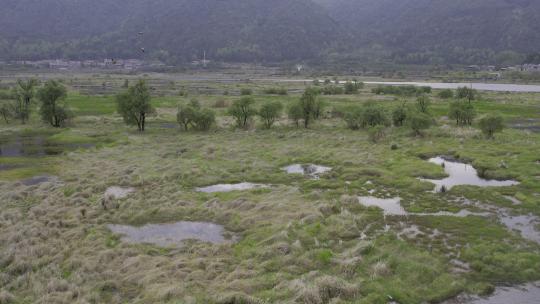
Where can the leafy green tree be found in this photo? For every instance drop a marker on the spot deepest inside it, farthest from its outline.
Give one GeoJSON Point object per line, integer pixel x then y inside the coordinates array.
{"type": "Point", "coordinates": [270, 112]}
{"type": "Point", "coordinates": [422, 103]}
{"type": "Point", "coordinates": [419, 121]}
{"type": "Point", "coordinates": [462, 112]}
{"type": "Point", "coordinates": [295, 113]}
{"type": "Point", "coordinates": [446, 94]}
{"type": "Point", "coordinates": [24, 92]}
{"type": "Point", "coordinates": [135, 105]}
{"type": "Point", "coordinates": [399, 115]}
{"type": "Point", "coordinates": [53, 108]}
{"type": "Point", "coordinates": [242, 110]}
{"type": "Point", "coordinates": [491, 124]}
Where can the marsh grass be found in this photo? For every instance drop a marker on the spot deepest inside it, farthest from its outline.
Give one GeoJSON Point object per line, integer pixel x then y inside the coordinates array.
{"type": "Point", "coordinates": [301, 240]}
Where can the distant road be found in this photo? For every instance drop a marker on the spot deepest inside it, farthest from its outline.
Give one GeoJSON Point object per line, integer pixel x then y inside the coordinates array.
{"type": "Point", "coordinates": [499, 87]}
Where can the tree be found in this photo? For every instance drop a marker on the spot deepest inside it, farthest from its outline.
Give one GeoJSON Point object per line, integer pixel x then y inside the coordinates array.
{"type": "Point", "coordinates": [466, 93]}
{"type": "Point", "coordinates": [135, 105]}
{"type": "Point", "coordinates": [399, 115]}
{"type": "Point", "coordinates": [187, 114]}
{"type": "Point", "coordinates": [24, 93]}
{"type": "Point", "coordinates": [311, 106]}
{"type": "Point", "coordinates": [53, 108]}
{"type": "Point", "coordinates": [242, 110]}
{"type": "Point", "coordinates": [422, 103]}
{"type": "Point", "coordinates": [270, 112]}
{"type": "Point", "coordinates": [462, 112]}
{"type": "Point", "coordinates": [419, 121]}
{"type": "Point", "coordinates": [295, 113]}
{"type": "Point", "coordinates": [491, 124]}
{"type": "Point", "coordinates": [7, 109]}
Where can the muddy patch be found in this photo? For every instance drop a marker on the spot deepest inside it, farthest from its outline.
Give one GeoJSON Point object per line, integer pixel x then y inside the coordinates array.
{"type": "Point", "coordinates": [526, 294]}
{"type": "Point", "coordinates": [37, 180]}
{"type": "Point", "coordinates": [462, 174]}
{"type": "Point", "coordinates": [230, 187]}
{"type": "Point", "coordinates": [310, 170]}
{"type": "Point", "coordinates": [172, 235]}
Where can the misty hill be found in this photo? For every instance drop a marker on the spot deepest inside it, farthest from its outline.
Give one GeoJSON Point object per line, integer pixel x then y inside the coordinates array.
{"type": "Point", "coordinates": [458, 30]}
{"type": "Point", "coordinates": [403, 31]}
{"type": "Point", "coordinates": [180, 29]}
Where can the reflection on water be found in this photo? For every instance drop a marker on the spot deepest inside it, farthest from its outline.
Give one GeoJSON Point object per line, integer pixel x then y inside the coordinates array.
{"type": "Point", "coordinates": [173, 234]}
{"type": "Point", "coordinates": [462, 174]}
{"type": "Point", "coordinates": [313, 171]}
{"type": "Point", "coordinates": [34, 146]}
{"type": "Point", "coordinates": [526, 294]}
{"type": "Point", "coordinates": [230, 187]}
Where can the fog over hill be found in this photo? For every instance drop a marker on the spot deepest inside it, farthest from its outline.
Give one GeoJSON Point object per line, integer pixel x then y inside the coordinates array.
{"type": "Point", "coordinates": [408, 31]}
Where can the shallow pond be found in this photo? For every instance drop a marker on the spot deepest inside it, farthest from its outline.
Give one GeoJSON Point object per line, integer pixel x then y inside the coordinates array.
{"type": "Point", "coordinates": [462, 174]}
{"type": "Point", "coordinates": [392, 206]}
{"type": "Point", "coordinates": [36, 180]}
{"type": "Point", "coordinates": [175, 234]}
{"type": "Point", "coordinates": [311, 170]}
{"type": "Point", "coordinates": [526, 294]}
{"type": "Point", "coordinates": [34, 146]}
{"type": "Point", "coordinates": [230, 187]}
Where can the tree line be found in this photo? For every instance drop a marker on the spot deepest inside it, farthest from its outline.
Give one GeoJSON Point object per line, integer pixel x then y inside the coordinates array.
{"type": "Point", "coordinates": [134, 105]}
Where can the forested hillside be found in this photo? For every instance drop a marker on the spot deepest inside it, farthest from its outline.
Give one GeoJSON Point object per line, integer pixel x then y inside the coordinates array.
{"type": "Point", "coordinates": [401, 31]}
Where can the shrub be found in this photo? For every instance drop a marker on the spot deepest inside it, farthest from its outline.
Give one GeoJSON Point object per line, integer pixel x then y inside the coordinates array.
{"type": "Point", "coordinates": [491, 124]}
{"type": "Point", "coordinates": [220, 103]}
{"type": "Point", "coordinates": [399, 115]}
{"type": "Point", "coordinates": [275, 91]}
{"type": "Point", "coordinates": [7, 110]}
{"type": "Point", "coordinates": [419, 121]}
{"type": "Point", "coordinates": [354, 117]}
{"type": "Point", "coordinates": [242, 110]}
{"type": "Point", "coordinates": [422, 103]}
{"type": "Point", "coordinates": [270, 112]}
{"type": "Point", "coordinates": [462, 112]}
{"type": "Point", "coordinates": [376, 133]}
{"type": "Point", "coordinates": [246, 91]}
{"type": "Point", "coordinates": [53, 109]}
{"type": "Point", "coordinates": [295, 113]}
{"type": "Point", "coordinates": [446, 94]}
{"type": "Point", "coordinates": [311, 106]}
{"type": "Point", "coordinates": [353, 87]}
{"type": "Point", "coordinates": [332, 90]}
{"type": "Point", "coordinates": [466, 93]}
{"type": "Point", "coordinates": [186, 114]}
{"type": "Point", "coordinates": [375, 115]}
{"type": "Point", "coordinates": [406, 90]}
{"type": "Point", "coordinates": [204, 119]}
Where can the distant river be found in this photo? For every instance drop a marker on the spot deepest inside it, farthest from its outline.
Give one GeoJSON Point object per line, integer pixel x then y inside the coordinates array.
{"type": "Point", "coordinates": [478, 86]}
